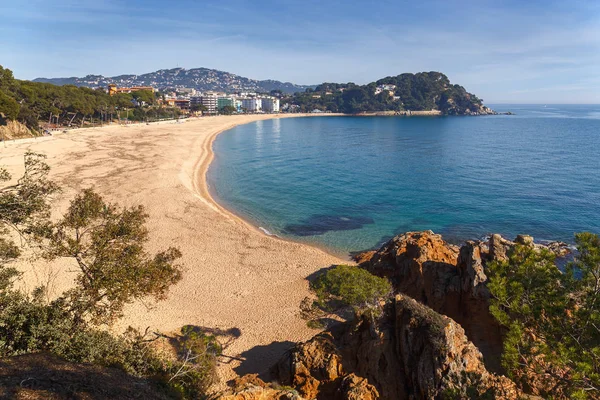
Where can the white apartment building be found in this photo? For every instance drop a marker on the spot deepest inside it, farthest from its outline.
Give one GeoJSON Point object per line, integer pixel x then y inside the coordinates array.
{"type": "Point", "coordinates": [208, 100]}
{"type": "Point", "coordinates": [270, 104]}
{"type": "Point", "coordinates": [251, 104]}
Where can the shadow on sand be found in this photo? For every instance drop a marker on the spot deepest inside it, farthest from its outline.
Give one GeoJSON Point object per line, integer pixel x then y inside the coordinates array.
{"type": "Point", "coordinates": [260, 359]}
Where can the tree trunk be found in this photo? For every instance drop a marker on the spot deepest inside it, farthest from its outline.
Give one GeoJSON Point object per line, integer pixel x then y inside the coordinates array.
{"type": "Point", "coordinates": [71, 121]}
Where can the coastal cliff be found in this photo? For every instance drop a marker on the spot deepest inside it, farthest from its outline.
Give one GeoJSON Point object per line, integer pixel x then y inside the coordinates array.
{"type": "Point", "coordinates": [411, 352]}
{"type": "Point", "coordinates": [13, 130]}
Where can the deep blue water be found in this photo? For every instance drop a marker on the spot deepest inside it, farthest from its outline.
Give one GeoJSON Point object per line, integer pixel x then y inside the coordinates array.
{"type": "Point", "coordinates": [349, 183]}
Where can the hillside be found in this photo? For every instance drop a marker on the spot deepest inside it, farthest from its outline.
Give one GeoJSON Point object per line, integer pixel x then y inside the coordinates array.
{"type": "Point", "coordinates": [201, 79]}
{"type": "Point", "coordinates": [423, 91]}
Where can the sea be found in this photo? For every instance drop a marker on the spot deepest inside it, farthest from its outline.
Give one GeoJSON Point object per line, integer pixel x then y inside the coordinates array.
{"type": "Point", "coordinates": [349, 184]}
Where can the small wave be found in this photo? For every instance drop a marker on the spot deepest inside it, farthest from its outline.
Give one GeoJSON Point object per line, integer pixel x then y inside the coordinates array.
{"type": "Point", "coordinates": [266, 231]}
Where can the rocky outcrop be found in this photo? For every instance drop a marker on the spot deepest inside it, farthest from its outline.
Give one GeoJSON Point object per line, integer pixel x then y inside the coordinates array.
{"type": "Point", "coordinates": [412, 352]}
{"type": "Point", "coordinates": [313, 367]}
{"type": "Point", "coordinates": [356, 388]}
{"type": "Point", "coordinates": [426, 347]}
{"type": "Point", "coordinates": [251, 387]}
{"type": "Point", "coordinates": [498, 247]}
{"type": "Point", "coordinates": [451, 280]}
{"type": "Point", "coordinates": [13, 130]}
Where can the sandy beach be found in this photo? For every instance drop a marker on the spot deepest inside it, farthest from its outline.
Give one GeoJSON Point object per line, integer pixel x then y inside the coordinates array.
{"type": "Point", "coordinates": [236, 279]}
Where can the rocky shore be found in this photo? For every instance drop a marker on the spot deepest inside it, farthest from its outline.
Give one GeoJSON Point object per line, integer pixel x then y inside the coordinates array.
{"type": "Point", "coordinates": [436, 338]}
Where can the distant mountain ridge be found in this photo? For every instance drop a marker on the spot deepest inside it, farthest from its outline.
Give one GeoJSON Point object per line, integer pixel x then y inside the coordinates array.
{"type": "Point", "coordinates": [202, 79]}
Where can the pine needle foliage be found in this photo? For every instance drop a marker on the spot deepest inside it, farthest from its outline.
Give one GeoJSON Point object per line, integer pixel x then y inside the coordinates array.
{"type": "Point", "coordinates": [552, 318]}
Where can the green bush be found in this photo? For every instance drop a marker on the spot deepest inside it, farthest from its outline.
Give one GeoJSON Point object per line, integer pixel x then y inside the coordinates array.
{"type": "Point", "coordinates": [343, 288]}
{"type": "Point", "coordinates": [195, 370]}
{"type": "Point", "coordinates": [29, 326]}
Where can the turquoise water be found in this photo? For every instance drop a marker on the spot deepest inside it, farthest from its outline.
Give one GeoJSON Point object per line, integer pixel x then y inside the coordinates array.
{"type": "Point", "coordinates": [350, 183]}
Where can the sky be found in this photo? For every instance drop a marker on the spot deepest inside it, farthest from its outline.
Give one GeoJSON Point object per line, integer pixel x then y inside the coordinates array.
{"type": "Point", "coordinates": [512, 51]}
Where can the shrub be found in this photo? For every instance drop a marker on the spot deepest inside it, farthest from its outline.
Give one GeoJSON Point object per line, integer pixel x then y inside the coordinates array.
{"type": "Point", "coordinates": [107, 244]}
{"type": "Point", "coordinates": [195, 369]}
{"type": "Point", "coordinates": [343, 288]}
{"type": "Point", "coordinates": [552, 317]}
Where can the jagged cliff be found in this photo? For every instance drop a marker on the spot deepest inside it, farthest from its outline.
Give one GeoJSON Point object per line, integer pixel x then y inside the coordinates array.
{"type": "Point", "coordinates": [450, 279]}
{"type": "Point", "coordinates": [410, 353]}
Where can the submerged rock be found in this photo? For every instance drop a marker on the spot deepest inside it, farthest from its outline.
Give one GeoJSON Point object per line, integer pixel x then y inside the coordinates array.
{"type": "Point", "coordinates": [320, 224]}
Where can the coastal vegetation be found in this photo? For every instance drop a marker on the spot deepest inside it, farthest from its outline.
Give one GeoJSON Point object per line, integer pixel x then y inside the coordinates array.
{"type": "Point", "coordinates": [422, 91]}
{"type": "Point", "coordinates": [32, 102]}
{"type": "Point", "coordinates": [552, 317]}
{"type": "Point", "coordinates": [106, 242]}
{"type": "Point", "coordinates": [345, 288]}
{"type": "Point", "coordinates": [544, 318]}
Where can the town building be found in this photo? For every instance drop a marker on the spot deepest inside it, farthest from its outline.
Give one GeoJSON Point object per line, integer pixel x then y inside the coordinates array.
{"type": "Point", "coordinates": [237, 103]}
{"type": "Point", "coordinates": [208, 100]}
{"type": "Point", "coordinates": [183, 104]}
{"type": "Point", "coordinates": [270, 104]}
{"type": "Point", "coordinates": [224, 102]}
{"type": "Point", "coordinates": [385, 88]}
{"type": "Point", "coordinates": [251, 104]}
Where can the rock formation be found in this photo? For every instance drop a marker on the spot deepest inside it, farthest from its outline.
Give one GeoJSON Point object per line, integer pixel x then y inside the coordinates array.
{"type": "Point", "coordinates": [251, 387]}
{"type": "Point", "coordinates": [450, 280]}
{"type": "Point", "coordinates": [410, 353]}
{"type": "Point", "coordinates": [13, 130]}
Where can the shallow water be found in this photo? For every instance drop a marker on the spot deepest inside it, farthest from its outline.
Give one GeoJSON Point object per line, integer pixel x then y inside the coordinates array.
{"type": "Point", "coordinates": [350, 183]}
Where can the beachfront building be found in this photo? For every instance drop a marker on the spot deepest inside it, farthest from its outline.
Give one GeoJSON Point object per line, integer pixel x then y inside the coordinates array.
{"type": "Point", "coordinates": [237, 103]}
{"type": "Point", "coordinates": [224, 102]}
{"type": "Point", "coordinates": [251, 104]}
{"type": "Point", "coordinates": [270, 104]}
{"type": "Point", "coordinates": [208, 100]}
{"type": "Point", "coordinates": [182, 104]}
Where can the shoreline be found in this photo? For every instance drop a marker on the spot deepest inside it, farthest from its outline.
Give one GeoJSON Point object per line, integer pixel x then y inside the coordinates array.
{"type": "Point", "coordinates": [236, 278]}
{"type": "Point", "coordinates": [200, 186]}
{"type": "Point", "coordinates": [200, 176]}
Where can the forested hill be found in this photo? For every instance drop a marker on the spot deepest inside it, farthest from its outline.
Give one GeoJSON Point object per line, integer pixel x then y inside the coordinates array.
{"type": "Point", "coordinates": [201, 79]}
{"type": "Point", "coordinates": [422, 91]}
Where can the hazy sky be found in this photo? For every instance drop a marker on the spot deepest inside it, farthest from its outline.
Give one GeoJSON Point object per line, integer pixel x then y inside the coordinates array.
{"type": "Point", "coordinates": [504, 51]}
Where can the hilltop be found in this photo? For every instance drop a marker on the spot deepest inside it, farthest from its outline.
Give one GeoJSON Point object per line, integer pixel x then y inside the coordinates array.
{"type": "Point", "coordinates": [202, 79]}
{"type": "Point", "coordinates": [422, 92]}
